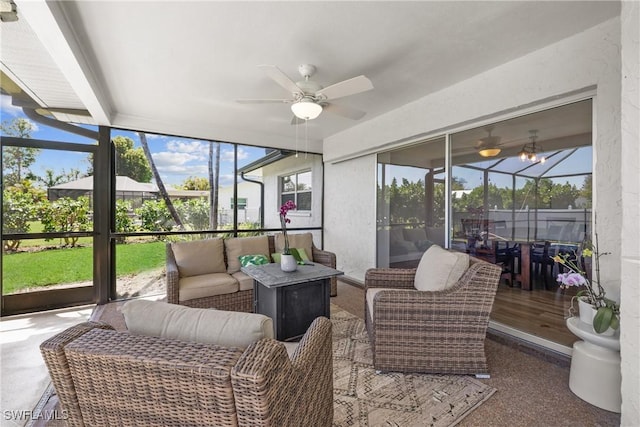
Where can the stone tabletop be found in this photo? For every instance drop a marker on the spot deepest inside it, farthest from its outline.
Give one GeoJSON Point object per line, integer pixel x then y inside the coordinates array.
{"type": "Point", "coordinates": [270, 275]}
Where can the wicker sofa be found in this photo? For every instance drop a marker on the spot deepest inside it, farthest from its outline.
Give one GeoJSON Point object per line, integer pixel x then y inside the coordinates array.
{"type": "Point", "coordinates": [206, 273]}
{"type": "Point", "coordinates": [104, 377]}
{"type": "Point", "coordinates": [439, 331]}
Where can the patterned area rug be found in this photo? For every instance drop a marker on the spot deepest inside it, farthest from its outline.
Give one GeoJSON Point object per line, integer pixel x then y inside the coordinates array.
{"type": "Point", "coordinates": [364, 398]}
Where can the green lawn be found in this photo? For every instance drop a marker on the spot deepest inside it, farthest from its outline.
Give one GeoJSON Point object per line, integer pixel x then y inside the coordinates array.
{"type": "Point", "coordinates": [70, 265]}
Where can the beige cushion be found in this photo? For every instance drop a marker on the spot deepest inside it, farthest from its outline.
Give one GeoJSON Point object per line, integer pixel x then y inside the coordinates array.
{"type": "Point", "coordinates": [199, 257]}
{"type": "Point", "coordinates": [371, 294]}
{"type": "Point", "coordinates": [206, 285]}
{"type": "Point", "coordinates": [440, 269]}
{"type": "Point", "coordinates": [237, 246]}
{"type": "Point", "coordinates": [225, 328]}
{"type": "Point", "coordinates": [302, 240]}
{"type": "Point", "coordinates": [245, 282]}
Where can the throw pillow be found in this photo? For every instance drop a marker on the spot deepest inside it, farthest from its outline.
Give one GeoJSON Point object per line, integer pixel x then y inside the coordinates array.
{"type": "Point", "coordinates": [237, 246]}
{"type": "Point", "coordinates": [302, 240]}
{"type": "Point", "coordinates": [225, 328]}
{"type": "Point", "coordinates": [199, 257]}
{"type": "Point", "coordinates": [298, 253]}
{"type": "Point", "coordinates": [440, 269]}
{"type": "Point", "coordinates": [247, 260]}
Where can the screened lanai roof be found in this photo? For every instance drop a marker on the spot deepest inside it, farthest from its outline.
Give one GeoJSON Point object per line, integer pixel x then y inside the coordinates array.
{"type": "Point", "coordinates": [575, 161]}
{"type": "Point", "coordinates": [563, 135]}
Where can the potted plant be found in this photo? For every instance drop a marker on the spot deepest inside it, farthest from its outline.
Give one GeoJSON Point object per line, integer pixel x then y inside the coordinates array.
{"type": "Point", "coordinates": [607, 311]}
{"type": "Point", "coordinates": [287, 260]}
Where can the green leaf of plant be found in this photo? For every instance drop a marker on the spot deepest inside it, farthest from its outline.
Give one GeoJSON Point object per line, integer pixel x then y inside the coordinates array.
{"type": "Point", "coordinates": [602, 319]}
{"type": "Point", "coordinates": [615, 322]}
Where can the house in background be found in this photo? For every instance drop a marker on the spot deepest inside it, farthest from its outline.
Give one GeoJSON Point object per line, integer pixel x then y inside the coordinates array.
{"type": "Point", "coordinates": [126, 189]}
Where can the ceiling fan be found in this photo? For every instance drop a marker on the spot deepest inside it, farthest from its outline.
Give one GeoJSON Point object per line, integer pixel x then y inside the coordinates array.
{"type": "Point", "coordinates": [309, 98]}
{"type": "Point", "coordinates": [489, 146]}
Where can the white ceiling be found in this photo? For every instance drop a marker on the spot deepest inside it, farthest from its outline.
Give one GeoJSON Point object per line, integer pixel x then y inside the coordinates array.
{"type": "Point", "coordinates": [177, 67]}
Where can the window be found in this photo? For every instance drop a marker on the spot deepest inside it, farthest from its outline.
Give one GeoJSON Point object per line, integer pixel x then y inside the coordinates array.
{"type": "Point", "coordinates": [297, 188]}
{"type": "Point", "coordinates": [242, 203]}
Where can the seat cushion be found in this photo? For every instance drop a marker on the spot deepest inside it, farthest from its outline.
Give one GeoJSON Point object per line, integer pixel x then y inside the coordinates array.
{"type": "Point", "coordinates": [370, 296]}
{"type": "Point", "coordinates": [244, 282]}
{"type": "Point", "coordinates": [440, 269]}
{"type": "Point", "coordinates": [225, 328]}
{"type": "Point", "coordinates": [302, 240]}
{"type": "Point", "coordinates": [238, 246]}
{"type": "Point", "coordinates": [207, 285]}
{"type": "Point", "coordinates": [199, 257]}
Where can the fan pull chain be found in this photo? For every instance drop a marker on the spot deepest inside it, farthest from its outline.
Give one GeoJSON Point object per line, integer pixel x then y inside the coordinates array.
{"type": "Point", "coordinates": [306, 138]}
{"type": "Point", "coordinates": [296, 136]}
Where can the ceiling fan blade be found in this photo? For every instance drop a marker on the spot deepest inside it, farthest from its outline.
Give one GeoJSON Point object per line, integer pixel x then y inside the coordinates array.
{"type": "Point", "coordinates": [281, 78]}
{"type": "Point", "coordinates": [264, 101]}
{"type": "Point", "coordinates": [341, 110]}
{"type": "Point", "coordinates": [346, 88]}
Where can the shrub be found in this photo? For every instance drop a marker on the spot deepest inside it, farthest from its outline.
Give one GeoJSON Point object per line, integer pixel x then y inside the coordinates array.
{"type": "Point", "coordinates": [66, 214]}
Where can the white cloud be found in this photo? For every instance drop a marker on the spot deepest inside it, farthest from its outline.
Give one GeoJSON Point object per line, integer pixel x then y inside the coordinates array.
{"type": "Point", "coordinates": [227, 155]}
{"type": "Point", "coordinates": [196, 147]}
{"type": "Point", "coordinates": [156, 136]}
{"type": "Point", "coordinates": [167, 158]}
{"type": "Point", "coordinates": [9, 109]}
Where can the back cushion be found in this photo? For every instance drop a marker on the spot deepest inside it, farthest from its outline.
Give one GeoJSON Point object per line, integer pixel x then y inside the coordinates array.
{"type": "Point", "coordinates": [237, 246]}
{"type": "Point", "coordinates": [199, 257]}
{"type": "Point", "coordinates": [303, 241]}
{"type": "Point", "coordinates": [225, 328]}
{"type": "Point", "coordinates": [440, 269]}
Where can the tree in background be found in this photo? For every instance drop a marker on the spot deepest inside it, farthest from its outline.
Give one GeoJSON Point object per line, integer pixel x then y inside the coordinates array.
{"type": "Point", "coordinates": [214, 182]}
{"type": "Point", "coordinates": [156, 175]}
{"type": "Point", "coordinates": [195, 183]}
{"type": "Point", "coordinates": [17, 160]}
{"type": "Point", "coordinates": [130, 161]}
{"type": "Point", "coordinates": [51, 179]}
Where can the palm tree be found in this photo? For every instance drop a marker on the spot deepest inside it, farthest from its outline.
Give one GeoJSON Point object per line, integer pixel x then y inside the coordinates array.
{"type": "Point", "coordinates": [214, 178]}
{"type": "Point", "coordinates": [159, 183]}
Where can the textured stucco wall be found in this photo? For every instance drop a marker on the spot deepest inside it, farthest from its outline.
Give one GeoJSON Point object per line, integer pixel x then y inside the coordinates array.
{"type": "Point", "coordinates": [289, 165]}
{"type": "Point", "coordinates": [350, 217]}
{"type": "Point", "coordinates": [630, 179]}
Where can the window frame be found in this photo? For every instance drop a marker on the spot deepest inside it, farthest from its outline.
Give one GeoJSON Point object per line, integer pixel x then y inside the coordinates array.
{"type": "Point", "coordinates": [296, 191]}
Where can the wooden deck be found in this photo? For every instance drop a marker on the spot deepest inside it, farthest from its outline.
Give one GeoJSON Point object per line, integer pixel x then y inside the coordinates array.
{"type": "Point", "coordinates": [538, 312]}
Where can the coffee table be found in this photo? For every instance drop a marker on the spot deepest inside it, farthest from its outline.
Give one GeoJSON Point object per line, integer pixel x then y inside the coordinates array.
{"type": "Point", "coordinates": [292, 299]}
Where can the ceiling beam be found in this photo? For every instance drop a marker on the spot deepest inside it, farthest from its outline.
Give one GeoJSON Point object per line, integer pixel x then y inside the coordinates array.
{"type": "Point", "coordinates": [50, 25]}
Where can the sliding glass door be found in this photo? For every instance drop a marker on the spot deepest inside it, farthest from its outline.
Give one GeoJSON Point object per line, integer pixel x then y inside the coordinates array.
{"type": "Point", "coordinates": [410, 203]}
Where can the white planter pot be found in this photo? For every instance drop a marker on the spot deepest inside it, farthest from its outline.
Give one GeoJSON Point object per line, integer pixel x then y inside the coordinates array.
{"type": "Point", "coordinates": [587, 313]}
{"type": "Point", "coordinates": [288, 263]}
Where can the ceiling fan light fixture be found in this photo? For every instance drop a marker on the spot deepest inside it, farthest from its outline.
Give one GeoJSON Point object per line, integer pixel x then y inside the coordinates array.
{"type": "Point", "coordinates": [306, 109]}
{"type": "Point", "coordinates": [489, 151]}
{"type": "Point", "coordinates": [530, 151]}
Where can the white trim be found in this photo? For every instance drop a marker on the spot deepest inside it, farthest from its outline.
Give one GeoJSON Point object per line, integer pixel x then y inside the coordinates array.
{"type": "Point", "coordinates": [559, 348]}
{"type": "Point", "coordinates": [50, 25]}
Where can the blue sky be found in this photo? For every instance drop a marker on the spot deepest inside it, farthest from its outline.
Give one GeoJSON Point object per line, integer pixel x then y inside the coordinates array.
{"type": "Point", "coordinates": [176, 158]}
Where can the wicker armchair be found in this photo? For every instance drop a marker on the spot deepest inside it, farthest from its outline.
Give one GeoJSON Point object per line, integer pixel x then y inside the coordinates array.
{"type": "Point", "coordinates": [104, 377]}
{"type": "Point", "coordinates": [430, 332]}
